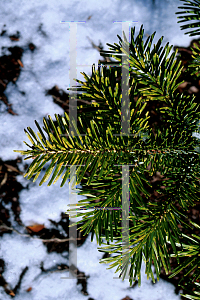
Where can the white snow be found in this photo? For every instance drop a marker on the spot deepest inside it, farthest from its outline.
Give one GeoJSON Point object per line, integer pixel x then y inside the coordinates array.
{"type": "Point", "coordinates": [47, 66]}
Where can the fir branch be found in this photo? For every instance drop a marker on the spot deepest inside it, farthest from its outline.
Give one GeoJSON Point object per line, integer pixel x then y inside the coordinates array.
{"type": "Point", "coordinates": [172, 151]}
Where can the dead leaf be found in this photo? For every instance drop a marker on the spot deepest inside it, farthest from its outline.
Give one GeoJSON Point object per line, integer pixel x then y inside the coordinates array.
{"type": "Point", "coordinates": [4, 179]}
{"type": "Point", "coordinates": [193, 89]}
{"type": "Point", "coordinates": [29, 289]}
{"type": "Point", "coordinates": [14, 38]}
{"type": "Point", "coordinates": [183, 85]}
{"type": "Point", "coordinates": [35, 227]}
{"type": "Point", "coordinates": [127, 298]}
{"type": "Point", "coordinates": [20, 63]}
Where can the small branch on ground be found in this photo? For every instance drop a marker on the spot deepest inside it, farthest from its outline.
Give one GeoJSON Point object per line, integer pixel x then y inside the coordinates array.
{"type": "Point", "coordinates": [43, 240]}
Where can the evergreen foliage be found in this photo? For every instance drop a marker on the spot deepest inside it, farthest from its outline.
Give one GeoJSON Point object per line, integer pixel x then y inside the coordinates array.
{"type": "Point", "coordinates": [170, 149]}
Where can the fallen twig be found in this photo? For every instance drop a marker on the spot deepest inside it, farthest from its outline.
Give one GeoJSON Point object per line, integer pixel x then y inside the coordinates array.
{"type": "Point", "coordinates": [20, 280]}
{"type": "Point", "coordinates": [43, 240]}
{"type": "Point", "coordinates": [6, 286]}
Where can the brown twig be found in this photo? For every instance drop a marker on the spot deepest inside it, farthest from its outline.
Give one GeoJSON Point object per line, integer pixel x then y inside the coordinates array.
{"type": "Point", "coordinates": [17, 287]}
{"type": "Point", "coordinates": [6, 286]}
{"type": "Point", "coordinates": [107, 59]}
{"type": "Point", "coordinates": [43, 240]}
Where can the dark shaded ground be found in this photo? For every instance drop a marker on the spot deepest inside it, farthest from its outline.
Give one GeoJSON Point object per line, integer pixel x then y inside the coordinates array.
{"type": "Point", "coordinates": [10, 67]}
